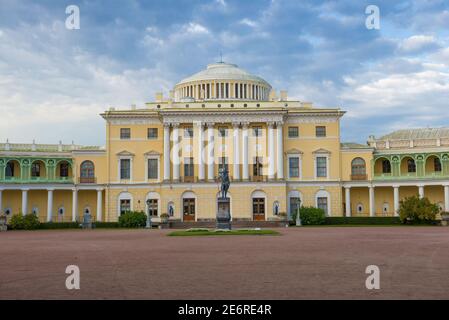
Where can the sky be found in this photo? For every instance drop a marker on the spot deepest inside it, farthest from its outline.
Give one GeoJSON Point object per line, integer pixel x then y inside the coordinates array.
{"type": "Point", "coordinates": [54, 82]}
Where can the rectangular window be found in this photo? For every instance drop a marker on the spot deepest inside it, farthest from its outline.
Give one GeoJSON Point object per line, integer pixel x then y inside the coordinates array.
{"type": "Point", "coordinates": [152, 133]}
{"type": "Point", "coordinates": [125, 206]}
{"type": "Point", "coordinates": [64, 170]}
{"type": "Point", "coordinates": [293, 132]}
{"type": "Point", "coordinates": [257, 167]}
{"type": "Point", "coordinates": [125, 169]}
{"type": "Point", "coordinates": [257, 131]}
{"type": "Point", "coordinates": [222, 132]}
{"type": "Point", "coordinates": [188, 132]}
{"type": "Point", "coordinates": [320, 131]}
{"type": "Point", "coordinates": [223, 163]}
{"type": "Point", "coordinates": [321, 167]}
{"type": "Point", "coordinates": [125, 133]}
{"type": "Point", "coordinates": [293, 166]}
{"type": "Point", "coordinates": [35, 170]}
{"type": "Point", "coordinates": [322, 204]}
{"type": "Point", "coordinates": [293, 206]}
{"type": "Point", "coordinates": [152, 169]}
{"type": "Point", "coordinates": [188, 167]}
{"type": "Point", "coordinates": [152, 207]}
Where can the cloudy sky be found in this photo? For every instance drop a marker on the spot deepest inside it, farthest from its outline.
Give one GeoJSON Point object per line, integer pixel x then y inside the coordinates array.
{"type": "Point", "coordinates": [54, 82]}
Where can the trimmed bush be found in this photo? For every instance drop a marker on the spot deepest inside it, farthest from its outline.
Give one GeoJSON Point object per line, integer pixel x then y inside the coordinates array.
{"type": "Point", "coordinates": [31, 222]}
{"type": "Point", "coordinates": [132, 219]}
{"type": "Point", "coordinates": [59, 225]}
{"type": "Point", "coordinates": [417, 210]}
{"type": "Point", "coordinates": [310, 216]}
{"type": "Point", "coordinates": [362, 220]}
{"type": "Point", "coordinates": [16, 222]}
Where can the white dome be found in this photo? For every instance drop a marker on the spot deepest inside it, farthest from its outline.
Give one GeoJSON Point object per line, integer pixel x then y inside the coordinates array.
{"type": "Point", "coordinates": [223, 71]}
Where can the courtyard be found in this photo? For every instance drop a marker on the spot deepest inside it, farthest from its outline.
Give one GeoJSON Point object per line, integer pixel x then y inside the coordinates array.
{"type": "Point", "coordinates": [300, 263]}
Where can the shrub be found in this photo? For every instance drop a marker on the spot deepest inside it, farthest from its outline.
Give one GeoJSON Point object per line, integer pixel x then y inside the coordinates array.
{"type": "Point", "coordinates": [362, 220]}
{"type": "Point", "coordinates": [31, 222]}
{"type": "Point", "coordinates": [132, 219]}
{"type": "Point", "coordinates": [16, 222]}
{"type": "Point", "coordinates": [310, 216]}
{"type": "Point", "coordinates": [417, 210]}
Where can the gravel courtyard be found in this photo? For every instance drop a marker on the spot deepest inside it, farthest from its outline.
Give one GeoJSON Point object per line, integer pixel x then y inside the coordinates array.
{"type": "Point", "coordinates": [301, 263]}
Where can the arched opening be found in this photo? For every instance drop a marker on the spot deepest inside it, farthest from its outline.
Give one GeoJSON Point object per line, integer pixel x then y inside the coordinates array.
{"type": "Point", "coordinates": [433, 165]}
{"type": "Point", "coordinates": [171, 209]}
{"type": "Point", "coordinates": [382, 166]}
{"type": "Point", "coordinates": [63, 170]}
{"type": "Point", "coordinates": [323, 201]}
{"type": "Point", "coordinates": [408, 166]}
{"type": "Point", "coordinates": [124, 203]}
{"type": "Point", "coordinates": [12, 170]}
{"type": "Point", "coordinates": [259, 205]}
{"type": "Point", "coordinates": [38, 170]}
{"type": "Point", "coordinates": [188, 206]}
{"type": "Point", "coordinates": [87, 172]}
{"type": "Point", "coordinates": [276, 208]}
{"type": "Point", "coordinates": [293, 197]}
{"type": "Point", "coordinates": [153, 204]}
{"type": "Point", "coordinates": [358, 169]}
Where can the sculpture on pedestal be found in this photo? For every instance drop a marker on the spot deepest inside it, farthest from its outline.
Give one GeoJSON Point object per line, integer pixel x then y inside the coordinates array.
{"type": "Point", "coordinates": [223, 202]}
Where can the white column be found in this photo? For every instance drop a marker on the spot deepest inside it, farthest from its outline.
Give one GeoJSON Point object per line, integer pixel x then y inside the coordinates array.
{"type": "Point", "coordinates": [271, 155]}
{"type": "Point", "coordinates": [421, 191]}
{"type": "Point", "coordinates": [175, 154]}
{"type": "Point", "coordinates": [166, 152]}
{"type": "Point", "coordinates": [245, 173]}
{"type": "Point", "coordinates": [24, 201]}
{"type": "Point", "coordinates": [210, 151]}
{"type": "Point", "coordinates": [372, 202]}
{"type": "Point", "coordinates": [238, 91]}
{"type": "Point", "coordinates": [236, 133]}
{"type": "Point", "coordinates": [200, 152]}
{"type": "Point", "coordinates": [49, 205]}
{"type": "Point", "coordinates": [280, 151]}
{"type": "Point", "coordinates": [99, 204]}
{"type": "Point", "coordinates": [396, 200]}
{"type": "Point", "coordinates": [74, 205]}
{"type": "Point", "coordinates": [348, 201]}
{"type": "Point", "coordinates": [446, 198]}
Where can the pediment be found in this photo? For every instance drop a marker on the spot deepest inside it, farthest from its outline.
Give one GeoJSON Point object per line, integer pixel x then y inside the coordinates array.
{"type": "Point", "coordinates": [125, 153]}
{"type": "Point", "coordinates": [322, 151]}
{"type": "Point", "coordinates": [152, 153]}
{"type": "Point", "coordinates": [294, 151]}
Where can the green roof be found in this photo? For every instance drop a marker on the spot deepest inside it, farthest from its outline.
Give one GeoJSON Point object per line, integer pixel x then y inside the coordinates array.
{"type": "Point", "coordinates": [413, 134]}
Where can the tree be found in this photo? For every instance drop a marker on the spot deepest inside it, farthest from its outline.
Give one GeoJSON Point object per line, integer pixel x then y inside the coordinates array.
{"type": "Point", "coordinates": [417, 210]}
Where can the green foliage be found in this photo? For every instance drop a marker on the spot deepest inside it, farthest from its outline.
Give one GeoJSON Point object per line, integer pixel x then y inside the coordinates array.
{"type": "Point", "coordinates": [417, 210]}
{"type": "Point", "coordinates": [132, 219]}
{"type": "Point", "coordinates": [310, 216]}
{"type": "Point", "coordinates": [16, 222]}
{"type": "Point", "coordinates": [362, 221]}
{"type": "Point", "coordinates": [31, 222]}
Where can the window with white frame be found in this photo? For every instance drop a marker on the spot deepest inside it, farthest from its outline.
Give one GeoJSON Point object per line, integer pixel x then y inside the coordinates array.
{"type": "Point", "coordinates": [293, 132]}
{"type": "Point", "coordinates": [293, 166]}
{"type": "Point", "coordinates": [152, 133]}
{"type": "Point", "coordinates": [321, 167]}
{"type": "Point", "coordinates": [125, 169]}
{"type": "Point", "coordinates": [322, 203]}
{"type": "Point", "coordinates": [153, 168]}
{"type": "Point", "coordinates": [125, 206]}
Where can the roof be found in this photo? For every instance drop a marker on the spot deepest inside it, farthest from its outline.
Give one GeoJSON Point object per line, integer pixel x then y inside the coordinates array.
{"type": "Point", "coordinates": [413, 134]}
{"type": "Point", "coordinates": [353, 145]}
{"type": "Point", "coordinates": [223, 71]}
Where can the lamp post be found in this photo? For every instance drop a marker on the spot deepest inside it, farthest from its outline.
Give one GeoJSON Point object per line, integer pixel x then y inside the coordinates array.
{"type": "Point", "coordinates": [148, 225]}
{"type": "Point", "coordinates": [298, 217]}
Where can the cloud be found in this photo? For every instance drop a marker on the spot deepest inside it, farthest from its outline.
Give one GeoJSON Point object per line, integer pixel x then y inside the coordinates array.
{"type": "Point", "coordinates": [195, 28]}
{"type": "Point", "coordinates": [418, 43]}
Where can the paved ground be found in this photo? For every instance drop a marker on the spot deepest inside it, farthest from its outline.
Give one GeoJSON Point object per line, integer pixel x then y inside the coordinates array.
{"type": "Point", "coordinates": [323, 262]}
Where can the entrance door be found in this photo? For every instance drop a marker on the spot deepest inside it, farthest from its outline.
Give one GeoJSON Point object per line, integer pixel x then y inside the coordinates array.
{"type": "Point", "coordinates": [188, 209]}
{"type": "Point", "coordinates": [259, 209]}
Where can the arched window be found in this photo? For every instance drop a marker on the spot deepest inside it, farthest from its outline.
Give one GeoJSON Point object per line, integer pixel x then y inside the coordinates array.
{"type": "Point", "coordinates": [35, 169]}
{"type": "Point", "coordinates": [87, 169]}
{"type": "Point", "coordinates": [276, 208]}
{"type": "Point", "coordinates": [411, 166]}
{"type": "Point", "coordinates": [358, 167]}
{"type": "Point", "coordinates": [386, 166]}
{"type": "Point", "coordinates": [9, 171]}
{"type": "Point", "coordinates": [360, 208]}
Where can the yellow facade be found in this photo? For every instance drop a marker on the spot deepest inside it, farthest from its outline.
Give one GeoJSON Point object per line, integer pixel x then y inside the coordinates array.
{"type": "Point", "coordinates": [241, 119]}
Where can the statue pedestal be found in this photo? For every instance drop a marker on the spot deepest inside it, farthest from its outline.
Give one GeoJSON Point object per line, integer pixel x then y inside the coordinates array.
{"type": "Point", "coordinates": [224, 214]}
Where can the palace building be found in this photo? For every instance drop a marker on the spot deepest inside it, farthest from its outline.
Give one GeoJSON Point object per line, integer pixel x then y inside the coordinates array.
{"type": "Point", "coordinates": [165, 158]}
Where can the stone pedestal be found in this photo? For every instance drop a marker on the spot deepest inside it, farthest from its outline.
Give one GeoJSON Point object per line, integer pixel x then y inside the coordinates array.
{"type": "Point", "coordinates": [224, 214]}
{"type": "Point", "coordinates": [3, 226]}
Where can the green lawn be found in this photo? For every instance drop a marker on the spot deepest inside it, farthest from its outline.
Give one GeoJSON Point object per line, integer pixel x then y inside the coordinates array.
{"type": "Point", "coordinates": [203, 232]}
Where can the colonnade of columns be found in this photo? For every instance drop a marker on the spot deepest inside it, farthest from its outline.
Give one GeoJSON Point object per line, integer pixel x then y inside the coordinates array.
{"type": "Point", "coordinates": [240, 151]}
{"type": "Point", "coordinates": [396, 199]}
{"type": "Point", "coordinates": [50, 208]}
{"type": "Point", "coordinates": [223, 90]}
